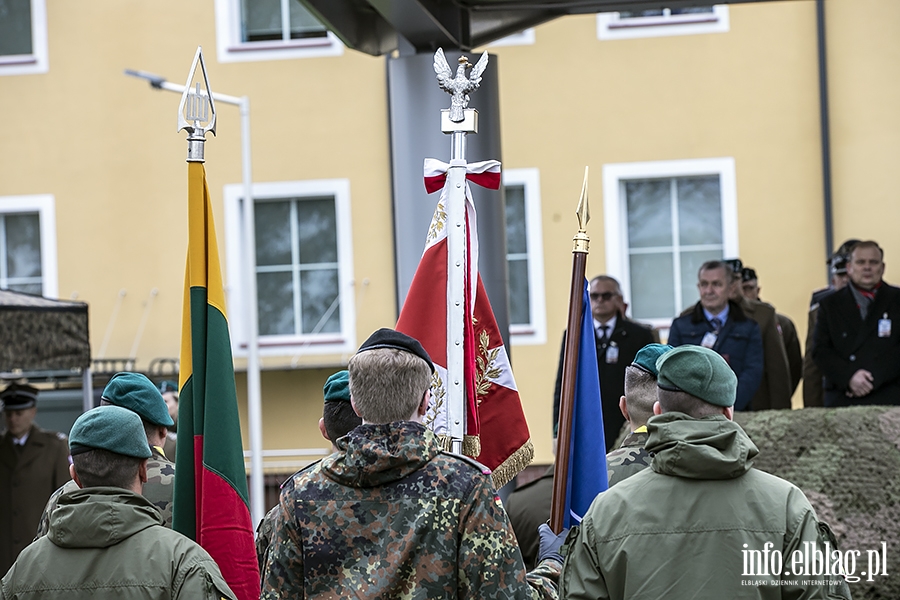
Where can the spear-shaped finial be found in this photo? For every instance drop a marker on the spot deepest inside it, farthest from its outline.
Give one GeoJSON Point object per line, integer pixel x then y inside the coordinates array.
{"type": "Point", "coordinates": [197, 109]}
{"type": "Point", "coordinates": [581, 241]}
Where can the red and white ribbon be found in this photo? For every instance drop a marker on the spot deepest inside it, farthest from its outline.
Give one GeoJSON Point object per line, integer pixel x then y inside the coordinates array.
{"type": "Point", "coordinates": [485, 173]}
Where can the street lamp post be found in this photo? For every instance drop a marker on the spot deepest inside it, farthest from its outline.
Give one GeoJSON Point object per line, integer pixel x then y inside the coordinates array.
{"type": "Point", "coordinates": [254, 405]}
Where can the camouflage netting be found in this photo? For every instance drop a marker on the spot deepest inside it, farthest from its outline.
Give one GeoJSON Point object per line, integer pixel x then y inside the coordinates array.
{"type": "Point", "coordinates": [39, 334]}
{"type": "Point", "coordinates": [847, 462]}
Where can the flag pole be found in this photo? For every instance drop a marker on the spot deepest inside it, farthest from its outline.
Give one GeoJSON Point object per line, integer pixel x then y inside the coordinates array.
{"type": "Point", "coordinates": [580, 244]}
{"type": "Point", "coordinates": [457, 124]}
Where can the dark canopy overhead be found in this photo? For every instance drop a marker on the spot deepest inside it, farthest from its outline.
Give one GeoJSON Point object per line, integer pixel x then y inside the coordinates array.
{"type": "Point", "coordinates": [378, 27]}
{"type": "Point", "coordinates": [39, 334]}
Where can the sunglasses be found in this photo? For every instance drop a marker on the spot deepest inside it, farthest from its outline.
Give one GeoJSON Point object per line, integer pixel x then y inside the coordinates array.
{"type": "Point", "coordinates": [605, 296]}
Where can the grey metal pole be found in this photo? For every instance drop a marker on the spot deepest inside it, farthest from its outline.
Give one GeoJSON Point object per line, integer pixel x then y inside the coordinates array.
{"type": "Point", "coordinates": [254, 402]}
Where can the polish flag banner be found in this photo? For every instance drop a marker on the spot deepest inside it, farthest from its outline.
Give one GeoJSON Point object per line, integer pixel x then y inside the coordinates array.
{"type": "Point", "coordinates": [496, 432]}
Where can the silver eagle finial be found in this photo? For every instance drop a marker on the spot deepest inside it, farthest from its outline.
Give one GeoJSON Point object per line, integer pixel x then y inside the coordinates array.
{"type": "Point", "coordinates": [460, 85]}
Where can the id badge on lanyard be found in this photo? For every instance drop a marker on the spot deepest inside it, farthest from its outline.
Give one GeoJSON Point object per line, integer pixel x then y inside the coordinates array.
{"type": "Point", "coordinates": [612, 354]}
{"type": "Point", "coordinates": [884, 327]}
{"type": "Point", "coordinates": [709, 340]}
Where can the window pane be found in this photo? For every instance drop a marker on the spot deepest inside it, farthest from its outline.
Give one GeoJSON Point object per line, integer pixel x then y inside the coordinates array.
{"type": "Point", "coordinates": [692, 9]}
{"type": "Point", "coordinates": [23, 245]}
{"type": "Point", "coordinates": [690, 265]}
{"type": "Point", "coordinates": [649, 213]}
{"type": "Point", "coordinates": [261, 20]}
{"type": "Point", "coordinates": [699, 210]}
{"type": "Point", "coordinates": [275, 295]}
{"type": "Point", "coordinates": [519, 302]}
{"type": "Point", "coordinates": [28, 288]}
{"type": "Point", "coordinates": [273, 233]}
{"type": "Point", "coordinates": [303, 24]}
{"type": "Point", "coordinates": [516, 240]}
{"type": "Point", "coordinates": [632, 14]}
{"type": "Point", "coordinates": [319, 289]}
{"type": "Point", "coordinates": [15, 27]}
{"type": "Point", "coordinates": [652, 286]}
{"type": "Point", "coordinates": [317, 226]}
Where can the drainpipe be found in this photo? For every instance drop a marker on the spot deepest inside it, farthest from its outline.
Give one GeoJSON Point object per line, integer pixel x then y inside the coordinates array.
{"type": "Point", "coordinates": [825, 131]}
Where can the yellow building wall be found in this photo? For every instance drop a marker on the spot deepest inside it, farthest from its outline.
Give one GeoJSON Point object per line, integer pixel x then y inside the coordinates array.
{"type": "Point", "coordinates": [105, 146]}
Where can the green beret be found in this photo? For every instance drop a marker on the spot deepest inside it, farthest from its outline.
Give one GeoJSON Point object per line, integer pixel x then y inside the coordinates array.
{"type": "Point", "coordinates": [698, 371]}
{"type": "Point", "coordinates": [137, 393]}
{"type": "Point", "coordinates": [646, 357]}
{"type": "Point", "coordinates": [337, 387]}
{"type": "Point", "coordinates": [109, 428]}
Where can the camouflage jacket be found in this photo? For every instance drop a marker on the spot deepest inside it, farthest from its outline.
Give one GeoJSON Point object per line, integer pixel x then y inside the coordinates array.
{"type": "Point", "coordinates": [158, 490]}
{"type": "Point", "coordinates": [629, 458]}
{"type": "Point", "coordinates": [392, 516]}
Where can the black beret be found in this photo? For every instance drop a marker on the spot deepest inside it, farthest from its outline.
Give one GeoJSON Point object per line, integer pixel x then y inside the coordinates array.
{"type": "Point", "coordinates": [735, 264]}
{"type": "Point", "coordinates": [18, 396]}
{"type": "Point", "coordinates": [390, 338]}
{"type": "Point", "coordinates": [748, 274]}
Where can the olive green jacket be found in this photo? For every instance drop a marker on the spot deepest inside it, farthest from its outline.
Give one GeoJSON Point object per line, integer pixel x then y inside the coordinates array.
{"type": "Point", "coordinates": [685, 527]}
{"type": "Point", "coordinates": [109, 543]}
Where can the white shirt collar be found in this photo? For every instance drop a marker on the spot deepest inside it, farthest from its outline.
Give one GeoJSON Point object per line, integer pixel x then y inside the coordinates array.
{"type": "Point", "coordinates": [611, 324]}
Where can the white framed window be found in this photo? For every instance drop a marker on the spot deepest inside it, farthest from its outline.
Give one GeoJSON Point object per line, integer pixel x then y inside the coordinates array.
{"type": "Point", "coordinates": [254, 30]}
{"type": "Point", "coordinates": [662, 221]}
{"type": "Point", "coordinates": [28, 245]}
{"type": "Point", "coordinates": [23, 37]}
{"type": "Point", "coordinates": [525, 256]}
{"type": "Point", "coordinates": [662, 22]}
{"type": "Point", "coordinates": [304, 269]}
{"type": "Point", "coordinates": [523, 38]}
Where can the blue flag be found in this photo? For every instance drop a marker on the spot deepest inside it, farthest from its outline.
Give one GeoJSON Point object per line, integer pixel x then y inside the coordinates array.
{"type": "Point", "coordinates": [587, 453]}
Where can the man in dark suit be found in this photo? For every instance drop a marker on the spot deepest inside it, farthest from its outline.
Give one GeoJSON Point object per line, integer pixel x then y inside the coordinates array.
{"type": "Point", "coordinates": [857, 341]}
{"type": "Point", "coordinates": [33, 463]}
{"type": "Point", "coordinates": [618, 341]}
{"type": "Point", "coordinates": [720, 324]}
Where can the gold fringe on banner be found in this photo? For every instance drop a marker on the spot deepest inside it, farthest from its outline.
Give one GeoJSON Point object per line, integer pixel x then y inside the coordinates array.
{"type": "Point", "coordinates": [510, 467]}
{"type": "Point", "coordinates": [471, 445]}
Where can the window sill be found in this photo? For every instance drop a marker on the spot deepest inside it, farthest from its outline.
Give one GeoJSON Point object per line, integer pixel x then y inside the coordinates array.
{"type": "Point", "coordinates": [18, 59]}
{"type": "Point", "coordinates": [322, 42]}
{"type": "Point", "coordinates": [662, 21]}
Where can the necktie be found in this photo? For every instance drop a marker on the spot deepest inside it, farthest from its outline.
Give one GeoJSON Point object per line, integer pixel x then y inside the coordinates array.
{"type": "Point", "coordinates": [604, 338]}
{"type": "Point", "coordinates": [716, 324]}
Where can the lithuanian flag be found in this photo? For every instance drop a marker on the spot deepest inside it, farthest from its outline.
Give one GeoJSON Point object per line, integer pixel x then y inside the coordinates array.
{"type": "Point", "coordinates": [211, 500]}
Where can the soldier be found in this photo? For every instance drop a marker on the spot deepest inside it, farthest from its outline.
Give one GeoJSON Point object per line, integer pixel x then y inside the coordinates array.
{"type": "Point", "coordinates": [106, 540]}
{"type": "Point", "coordinates": [169, 391]}
{"type": "Point", "coordinates": [390, 515]}
{"type": "Point", "coordinates": [33, 463]}
{"type": "Point", "coordinates": [813, 395]}
{"type": "Point", "coordinates": [784, 324]}
{"type": "Point", "coordinates": [138, 394]}
{"type": "Point", "coordinates": [685, 527]}
{"type": "Point", "coordinates": [775, 386]}
{"type": "Point", "coordinates": [338, 419]}
{"type": "Point", "coordinates": [637, 406]}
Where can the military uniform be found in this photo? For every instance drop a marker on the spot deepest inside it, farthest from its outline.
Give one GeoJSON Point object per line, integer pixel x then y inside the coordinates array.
{"type": "Point", "coordinates": [392, 516]}
{"type": "Point", "coordinates": [632, 545]}
{"type": "Point", "coordinates": [109, 543]}
{"type": "Point", "coordinates": [27, 478]}
{"type": "Point", "coordinates": [813, 394]}
{"type": "Point", "coordinates": [629, 458]}
{"type": "Point", "coordinates": [528, 507]}
{"type": "Point", "coordinates": [158, 490]}
{"type": "Point", "coordinates": [775, 387]}
{"type": "Point", "coordinates": [791, 342]}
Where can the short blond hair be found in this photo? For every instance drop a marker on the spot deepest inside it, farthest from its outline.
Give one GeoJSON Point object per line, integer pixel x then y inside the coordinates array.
{"type": "Point", "coordinates": [387, 384]}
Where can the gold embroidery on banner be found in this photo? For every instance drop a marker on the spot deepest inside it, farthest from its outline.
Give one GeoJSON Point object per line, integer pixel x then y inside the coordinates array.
{"type": "Point", "coordinates": [485, 371]}
{"type": "Point", "coordinates": [438, 395]}
{"type": "Point", "coordinates": [437, 222]}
